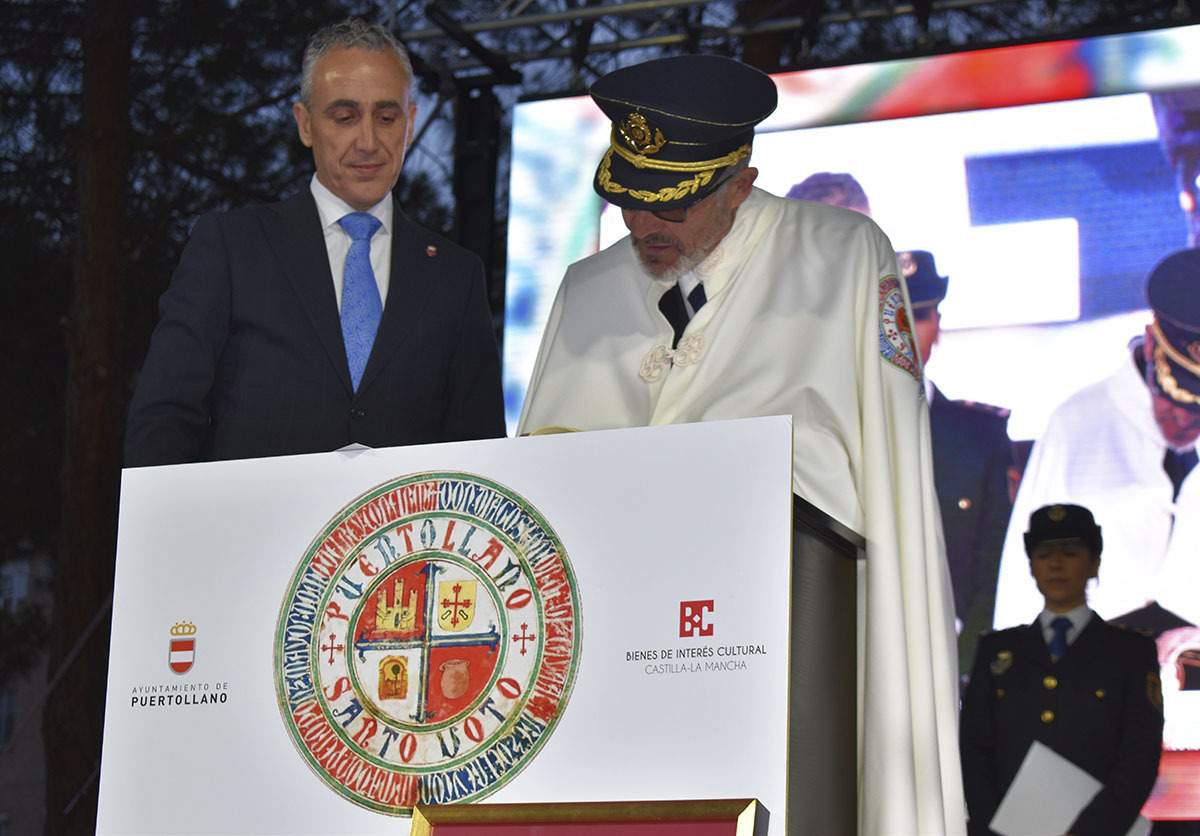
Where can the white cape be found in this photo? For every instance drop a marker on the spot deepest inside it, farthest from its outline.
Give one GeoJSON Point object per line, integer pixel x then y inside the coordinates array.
{"type": "Point", "coordinates": [802, 318]}
{"type": "Point", "coordinates": [1102, 449]}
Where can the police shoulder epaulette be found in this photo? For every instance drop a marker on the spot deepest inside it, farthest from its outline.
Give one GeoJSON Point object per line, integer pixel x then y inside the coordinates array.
{"type": "Point", "coordinates": [1131, 628]}
{"type": "Point", "coordinates": [987, 408]}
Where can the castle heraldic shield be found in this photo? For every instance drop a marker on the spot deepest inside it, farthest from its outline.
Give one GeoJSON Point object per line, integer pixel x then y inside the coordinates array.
{"type": "Point", "coordinates": [427, 642]}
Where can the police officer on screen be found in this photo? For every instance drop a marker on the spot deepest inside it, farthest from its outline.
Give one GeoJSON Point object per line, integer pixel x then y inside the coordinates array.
{"type": "Point", "coordinates": [1087, 689]}
{"type": "Point", "coordinates": [971, 459]}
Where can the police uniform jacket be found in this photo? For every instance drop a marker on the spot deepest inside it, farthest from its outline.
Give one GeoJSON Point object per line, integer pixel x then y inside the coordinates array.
{"type": "Point", "coordinates": [1100, 706]}
{"type": "Point", "coordinates": [971, 457]}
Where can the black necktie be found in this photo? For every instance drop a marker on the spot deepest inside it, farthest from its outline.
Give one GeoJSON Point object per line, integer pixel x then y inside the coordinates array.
{"type": "Point", "coordinates": [1178, 466]}
{"type": "Point", "coordinates": [672, 307]}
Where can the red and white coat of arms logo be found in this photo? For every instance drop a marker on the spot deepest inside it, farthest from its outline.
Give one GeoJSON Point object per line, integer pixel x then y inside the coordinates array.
{"type": "Point", "coordinates": [182, 654]}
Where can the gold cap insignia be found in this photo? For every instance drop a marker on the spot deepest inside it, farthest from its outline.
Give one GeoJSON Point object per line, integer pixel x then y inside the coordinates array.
{"type": "Point", "coordinates": [1002, 662]}
{"type": "Point", "coordinates": [640, 135]}
{"type": "Point", "coordinates": [908, 264]}
{"type": "Point", "coordinates": [1057, 513]}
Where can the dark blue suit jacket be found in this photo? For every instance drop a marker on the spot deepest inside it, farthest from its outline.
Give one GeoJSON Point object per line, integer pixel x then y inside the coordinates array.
{"type": "Point", "coordinates": [971, 457]}
{"type": "Point", "coordinates": [247, 359]}
{"type": "Point", "coordinates": [1100, 707]}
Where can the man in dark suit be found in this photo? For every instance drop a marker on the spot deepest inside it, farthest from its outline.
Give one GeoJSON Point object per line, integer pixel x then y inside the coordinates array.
{"type": "Point", "coordinates": [1087, 689]}
{"type": "Point", "coordinates": [971, 458]}
{"type": "Point", "coordinates": [328, 318]}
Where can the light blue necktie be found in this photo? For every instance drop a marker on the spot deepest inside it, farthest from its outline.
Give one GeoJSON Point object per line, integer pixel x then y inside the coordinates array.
{"type": "Point", "coordinates": [1058, 642]}
{"type": "Point", "coordinates": [361, 307]}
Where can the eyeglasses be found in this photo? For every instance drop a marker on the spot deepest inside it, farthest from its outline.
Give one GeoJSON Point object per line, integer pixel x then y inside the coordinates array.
{"type": "Point", "coordinates": [679, 214]}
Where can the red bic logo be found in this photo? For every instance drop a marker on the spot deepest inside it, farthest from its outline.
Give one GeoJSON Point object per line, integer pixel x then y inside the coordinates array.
{"type": "Point", "coordinates": [691, 619]}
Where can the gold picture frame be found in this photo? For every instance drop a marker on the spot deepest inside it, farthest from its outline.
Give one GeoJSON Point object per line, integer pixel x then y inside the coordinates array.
{"type": "Point", "coordinates": [728, 817]}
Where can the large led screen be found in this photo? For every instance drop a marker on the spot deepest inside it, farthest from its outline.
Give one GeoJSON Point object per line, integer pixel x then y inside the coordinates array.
{"type": "Point", "coordinates": [1048, 181]}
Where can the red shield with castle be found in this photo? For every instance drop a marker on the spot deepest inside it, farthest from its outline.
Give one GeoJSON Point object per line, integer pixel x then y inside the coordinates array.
{"type": "Point", "coordinates": [182, 653]}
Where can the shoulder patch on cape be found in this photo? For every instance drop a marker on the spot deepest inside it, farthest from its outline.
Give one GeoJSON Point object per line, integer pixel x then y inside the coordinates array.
{"type": "Point", "coordinates": [896, 342]}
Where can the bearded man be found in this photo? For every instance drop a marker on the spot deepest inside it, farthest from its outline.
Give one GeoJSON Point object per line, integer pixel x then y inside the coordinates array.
{"type": "Point", "coordinates": [1126, 447]}
{"type": "Point", "coordinates": [727, 302]}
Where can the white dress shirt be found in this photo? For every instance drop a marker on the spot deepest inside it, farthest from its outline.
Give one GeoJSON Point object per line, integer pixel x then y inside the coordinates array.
{"type": "Point", "coordinates": [332, 208]}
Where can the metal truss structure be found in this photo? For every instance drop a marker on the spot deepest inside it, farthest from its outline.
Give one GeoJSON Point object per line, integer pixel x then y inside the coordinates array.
{"type": "Point", "coordinates": [484, 56]}
{"type": "Point", "coordinates": [550, 47]}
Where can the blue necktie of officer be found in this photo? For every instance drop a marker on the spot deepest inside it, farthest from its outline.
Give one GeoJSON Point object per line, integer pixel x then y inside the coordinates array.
{"type": "Point", "coordinates": [361, 306]}
{"type": "Point", "coordinates": [1058, 642]}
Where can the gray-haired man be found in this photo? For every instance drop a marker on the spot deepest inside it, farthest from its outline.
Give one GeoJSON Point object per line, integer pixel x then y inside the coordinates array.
{"type": "Point", "coordinates": [327, 318]}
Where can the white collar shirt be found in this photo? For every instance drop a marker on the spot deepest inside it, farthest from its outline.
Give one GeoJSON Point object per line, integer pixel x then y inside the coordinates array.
{"type": "Point", "coordinates": [331, 209]}
{"type": "Point", "coordinates": [1079, 617]}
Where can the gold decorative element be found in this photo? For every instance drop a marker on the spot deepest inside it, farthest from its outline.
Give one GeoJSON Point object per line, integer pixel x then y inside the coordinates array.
{"type": "Point", "coordinates": [393, 678]}
{"type": "Point", "coordinates": [553, 429]}
{"type": "Point", "coordinates": [736, 816]}
{"type": "Point", "coordinates": [1002, 662]}
{"type": "Point", "coordinates": [642, 161]}
{"type": "Point", "coordinates": [908, 263]}
{"type": "Point", "coordinates": [183, 628]}
{"type": "Point", "coordinates": [1188, 363]}
{"type": "Point", "coordinates": [401, 615]}
{"type": "Point", "coordinates": [456, 604]}
{"type": "Point", "coordinates": [1154, 691]}
{"type": "Point", "coordinates": [1050, 683]}
{"type": "Point", "coordinates": [1047, 716]}
{"type": "Point", "coordinates": [636, 132]}
{"type": "Point", "coordinates": [1162, 369]}
{"type": "Point", "coordinates": [682, 117]}
{"type": "Point", "coordinates": [664, 195]}
{"type": "Point", "coordinates": [1101, 693]}
{"type": "Point", "coordinates": [1057, 513]}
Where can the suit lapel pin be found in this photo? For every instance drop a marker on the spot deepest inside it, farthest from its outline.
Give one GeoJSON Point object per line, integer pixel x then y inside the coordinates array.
{"type": "Point", "coordinates": [431, 251]}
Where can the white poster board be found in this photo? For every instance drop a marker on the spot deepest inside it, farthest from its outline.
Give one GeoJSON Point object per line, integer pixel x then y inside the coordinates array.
{"type": "Point", "coordinates": [656, 524]}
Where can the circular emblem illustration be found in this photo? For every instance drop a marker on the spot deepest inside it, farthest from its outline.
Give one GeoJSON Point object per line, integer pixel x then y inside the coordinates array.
{"type": "Point", "coordinates": [427, 643]}
{"type": "Point", "coordinates": [896, 343]}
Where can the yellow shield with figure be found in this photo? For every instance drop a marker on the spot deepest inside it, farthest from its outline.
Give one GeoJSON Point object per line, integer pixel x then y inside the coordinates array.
{"type": "Point", "coordinates": [456, 605]}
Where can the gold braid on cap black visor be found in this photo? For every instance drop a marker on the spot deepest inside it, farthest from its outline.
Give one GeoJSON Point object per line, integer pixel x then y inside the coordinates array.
{"type": "Point", "coordinates": [1162, 370]}
{"type": "Point", "coordinates": [703, 169]}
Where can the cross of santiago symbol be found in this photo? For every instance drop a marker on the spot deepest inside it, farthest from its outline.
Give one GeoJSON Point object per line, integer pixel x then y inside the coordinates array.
{"type": "Point", "coordinates": [524, 637]}
{"type": "Point", "coordinates": [456, 604]}
{"type": "Point", "coordinates": [332, 647]}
